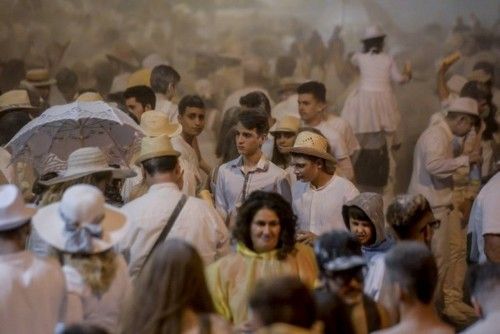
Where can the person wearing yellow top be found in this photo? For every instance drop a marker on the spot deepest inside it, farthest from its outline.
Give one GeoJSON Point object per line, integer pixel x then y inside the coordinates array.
{"type": "Point", "coordinates": [265, 235]}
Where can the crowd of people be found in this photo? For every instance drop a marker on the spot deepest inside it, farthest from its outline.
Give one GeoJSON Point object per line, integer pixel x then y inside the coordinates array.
{"type": "Point", "coordinates": [230, 213]}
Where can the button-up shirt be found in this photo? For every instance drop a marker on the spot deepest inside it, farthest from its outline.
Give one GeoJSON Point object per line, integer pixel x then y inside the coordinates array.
{"type": "Point", "coordinates": [233, 185]}
{"type": "Point", "coordinates": [434, 165]}
{"type": "Point", "coordinates": [319, 210]}
{"type": "Point", "coordinates": [197, 223]}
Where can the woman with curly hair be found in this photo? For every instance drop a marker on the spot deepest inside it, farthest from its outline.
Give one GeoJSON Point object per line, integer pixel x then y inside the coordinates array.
{"type": "Point", "coordinates": [266, 248]}
{"type": "Point", "coordinates": [171, 295]}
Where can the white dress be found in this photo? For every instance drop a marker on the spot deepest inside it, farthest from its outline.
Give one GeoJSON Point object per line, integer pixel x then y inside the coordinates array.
{"type": "Point", "coordinates": [372, 107]}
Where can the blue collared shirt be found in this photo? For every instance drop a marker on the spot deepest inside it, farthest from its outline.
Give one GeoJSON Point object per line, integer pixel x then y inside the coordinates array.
{"type": "Point", "coordinates": [233, 186]}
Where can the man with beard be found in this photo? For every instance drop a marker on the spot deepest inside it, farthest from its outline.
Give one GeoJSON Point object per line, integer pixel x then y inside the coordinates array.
{"type": "Point", "coordinates": [341, 265]}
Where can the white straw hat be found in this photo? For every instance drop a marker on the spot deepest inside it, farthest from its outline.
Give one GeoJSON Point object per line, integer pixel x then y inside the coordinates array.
{"type": "Point", "coordinates": [81, 222]}
{"type": "Point", "coordinates": [464, 105]}
{"type": "Point", "coordinates": [286, 124]}
{"type": "Point", "coordinates": [313, 144]}
{"type": "Point", "coordinates": [86, 161]}
{"type": "Point", "coordinates": [373, 31]}
{"type": "Point", "coordinates": [13, 211]}
{"type": "Point", "coordinates": [155, 123]}
{"type": "Point", "coordinates": [15, 99]}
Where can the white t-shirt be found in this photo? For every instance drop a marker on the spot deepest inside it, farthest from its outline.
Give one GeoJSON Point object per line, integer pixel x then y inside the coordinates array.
{"type": "Point", "coordinates": [484, 217]}
{"type": "Point", "coordinates": [319, 210]}
{"type": "Point", "coordinates": [32, 293]}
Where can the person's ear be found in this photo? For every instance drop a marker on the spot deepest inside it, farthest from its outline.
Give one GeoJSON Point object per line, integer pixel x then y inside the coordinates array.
{"type": "Point", "coordinates": [148, 107]}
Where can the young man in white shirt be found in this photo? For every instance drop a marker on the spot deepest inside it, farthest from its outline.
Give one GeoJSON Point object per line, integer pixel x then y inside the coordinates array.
{"type": "Point", "coordinates": [319, 208]}
{"type": "Point", "coordinates": [164, 80]}
{"type": "Point", "coordinates": [192, 119]}
{"type": "Point", "coordinates": [343, 143]}
{"type": "Point", "coordinates": [197, 222]}
{"type": "Point", "coordinates": [434, 164]}
{"type": "Point", "coordinates": [252, 170]}
{"type": "Point", "coordinates": [33, 289]}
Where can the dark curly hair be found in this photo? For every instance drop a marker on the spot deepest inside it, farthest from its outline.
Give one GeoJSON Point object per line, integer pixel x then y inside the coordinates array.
{"type": "Point", "coordinates": [272, 201]}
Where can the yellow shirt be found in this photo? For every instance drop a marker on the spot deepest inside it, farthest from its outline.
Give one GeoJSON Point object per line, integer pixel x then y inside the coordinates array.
{"type": "Point", "coordinates": [232, 279]}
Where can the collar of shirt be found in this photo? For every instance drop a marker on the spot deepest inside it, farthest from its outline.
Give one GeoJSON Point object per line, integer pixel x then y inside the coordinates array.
{"type": "Point", "coordinates": [164, 185]}
{"type": "Point", "coordinates": [323, 186]}
{"type": "Point", "coordinates": [244, 250]}
{"type": "Point", "coordinates": [447, 129]}
{"type": "Point", "coordinates": [262, 164]}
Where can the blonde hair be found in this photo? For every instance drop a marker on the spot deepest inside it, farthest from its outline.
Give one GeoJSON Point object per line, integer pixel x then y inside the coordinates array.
{"type": "Point", "coordinates": [98, 270]}
{"type": "Point", "coordinates": [55, 192]}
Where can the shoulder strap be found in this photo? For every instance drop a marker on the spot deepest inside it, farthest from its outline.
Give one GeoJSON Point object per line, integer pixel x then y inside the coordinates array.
{"type": "Point", "coordinates": [166, 228]}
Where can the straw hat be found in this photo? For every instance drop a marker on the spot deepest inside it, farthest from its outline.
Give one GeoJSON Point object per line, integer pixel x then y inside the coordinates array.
{"type": "Point", "coordinates": [38, 78]}
{"type": "Point", "coordinates": [15, 99]}
{"type": "Point", "coordinates": [90, 97]}
{"type": "Point", "coordinates": [373, 31]}
{"type": "Point", "coordinates": [81, 222]}
{"type": "Point", "coordinates": [464, 105]}
{"type": "Point", "coordinates": [286, 124]}
{"type": "Point", "coordinates": [86, 161]}
{"type": "Point", "coordinates": [140, 78]}
{"type": "Point", "coordinates": [13, 211]}
{"type": "Point", "coordinates": [155, 123]}
{"type": "Point", "coordinates": [153, 147]}
{"type": "Point", "coordinates": [313, 144]}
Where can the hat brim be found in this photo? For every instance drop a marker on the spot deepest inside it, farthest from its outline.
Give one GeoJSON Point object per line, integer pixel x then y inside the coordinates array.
{"type": "Point", "coordinates": [18, 220]}
{"type": "Point", "coordinates": [50, 227]}
{"type": "Point", "coordinates": [157, 154]}
{"type": "Point", "coordinates": [43, 83]}
{"type": "Point", "coordinates": [116, 173]}
{"type": "Point", "coordinates": [17, 107]}
{"type": "Point", "coordinates": [283, 130]}
{"type": "Point", "coordinates": [172, 130]}
{"type": "Point", "coordinates": [345, 263]}
{"type": "Point", "coordinates": [311, 152]}
{"type": "Point", "coordinates": [373, 37]}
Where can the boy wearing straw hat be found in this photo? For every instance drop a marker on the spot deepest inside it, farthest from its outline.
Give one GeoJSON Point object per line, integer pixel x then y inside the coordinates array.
{"type": "Point", "coordinates": [33, 289]}
{"type": "Point", "coordinates": [319, 208]}
{"type": "Point", "coordinates": [194, 220]}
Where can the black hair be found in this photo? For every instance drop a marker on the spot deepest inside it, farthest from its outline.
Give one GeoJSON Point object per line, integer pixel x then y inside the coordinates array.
{"type": "Point", "coordinates": [403, 218]}
{"type": "Point", "coordinates": [162, 76]}
{"type": "Point", "coordinates": [190, 101]}
{"type": "Point", "coordinates": [418, 277]}
{"type": "Point", "coordinates": [10, 123]}
{"type": "Point", "coordinates": [475, 90]}
{"type": "Point", "coordinates": [226, 147]}
{"type": "Point", "coordinates": [254, 119]}
{"type": "Point", "coordinates": [143, 94]}
{"type": "Point", "coordinates": [256, 100]}
{"type": "Point", "coordinates": [272, 201]}
{"type": "Point", "coordinates": [284, 300]}
{"type": "Point", "coordinates": [317, 89]}
{"type": "Point", "coordinates": [374, 45]}
{"type": "Point", "coordinates": [84, 329]}
{"type": "Point", "coordinates": [160, 164]}
{"type": "Point", "coordinates": [66, 79]}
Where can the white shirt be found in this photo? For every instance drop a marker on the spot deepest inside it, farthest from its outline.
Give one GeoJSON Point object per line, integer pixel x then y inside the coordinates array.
{"type": "Point", "coordinates": [233, 186]}
{"type": "Point", "coordinates": [167, 107]}
{"type": "Point", "coordinates": [484, 217]}
{"type": "Point", "coordinates": [377, 71]}
{"type": "Point", "coordinates": [489, 325]}
{"type": "Point", "coordinates": [343, 129]}
{"type": "Point", "coordinates": [197, 223]}
{"type": "Point", "coordinates": [32, 293]}
{"type": "Point", "coordinates": [434, 165]}
{"type": "Point", "coordinates": [105, 310]}
{"type": "Point", "coordinates": [319, 210]}
{"type": "Point", "coordinates": [186, 150]}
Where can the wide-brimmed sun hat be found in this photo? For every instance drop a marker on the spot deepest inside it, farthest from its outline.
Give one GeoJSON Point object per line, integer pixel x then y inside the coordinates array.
{"type": "Point", "coordinates": [154, 147]}
{"type": "Point", "coordinates": [156, 123]}
{"type": "Point", "coordinates": [464, 105]}
{"type": "Point", "coordinates": [286, 124]}
{"type": "Point", "coordinates": [373, 31]}
{"type": "Point", "coordinates": [38, 77]}
{"type": "Point", "coordinates": [81, 222]}
{"type": "Point", "coordinates": [13, 211]}
{"type": "Point", "coordinates": [86, 161]}
{"type": "Point", "coordinates": [15, 99]}
{"type": "Point", "coordinates": [313, 144]}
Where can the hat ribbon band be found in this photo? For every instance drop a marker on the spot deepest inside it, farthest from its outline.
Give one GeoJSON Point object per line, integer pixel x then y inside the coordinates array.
{"type": "Point", "coordinates": [80, 236]}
